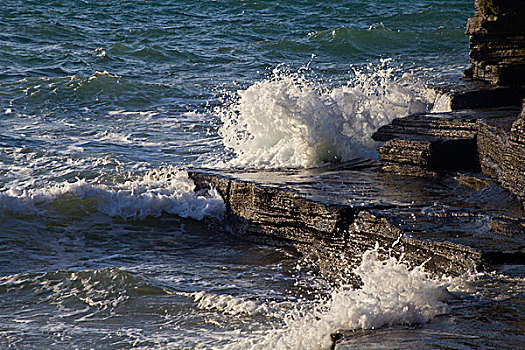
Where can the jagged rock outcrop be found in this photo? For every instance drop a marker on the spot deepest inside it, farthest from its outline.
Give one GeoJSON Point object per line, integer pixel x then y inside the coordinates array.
{"type": "Point", "coordinates": [497, 42]}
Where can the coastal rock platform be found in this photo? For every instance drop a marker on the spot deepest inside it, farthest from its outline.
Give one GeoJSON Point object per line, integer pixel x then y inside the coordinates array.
{"type": "Point", "coordinates": [447, 192]}
{"type": "Point", "coordinates": [488, 140]}
{"type": "Point", "coordinates": [453, 223]}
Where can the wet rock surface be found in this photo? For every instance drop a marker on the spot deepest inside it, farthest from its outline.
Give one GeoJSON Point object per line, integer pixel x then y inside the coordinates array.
{"type": "Point", "coordinates": [454, 223]}
{"type": "Point", "coordinates": [448, 192]}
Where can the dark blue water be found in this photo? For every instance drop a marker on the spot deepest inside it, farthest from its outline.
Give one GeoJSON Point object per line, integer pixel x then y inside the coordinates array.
{"type": "Point", "coordinates": [97, 251]}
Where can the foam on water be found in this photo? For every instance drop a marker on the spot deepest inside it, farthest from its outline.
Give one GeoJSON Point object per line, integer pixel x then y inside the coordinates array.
{"type": "Point", "coordinates": [391, 294]}
{"type": "Point", "coordinates": [168, 190]}
{"type": "Point", "coordinates": [229, 304]}
{"type": "Point", "coordinates": [290, 121]}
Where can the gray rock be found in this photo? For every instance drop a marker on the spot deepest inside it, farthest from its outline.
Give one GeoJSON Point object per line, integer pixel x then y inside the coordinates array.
{"type": "Point", "coordinates": [333, 215]}
{"type": "Point", "coordinates": [497, 42]}
{"type": "Point", "coordinates": [478, 95]}
{"type": "Point", "coordinates": [502, 151]}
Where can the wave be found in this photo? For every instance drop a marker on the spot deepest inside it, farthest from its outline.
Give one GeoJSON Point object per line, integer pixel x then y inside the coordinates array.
{"type": "Point", "coordinates": [290, 121]}
{"type": "Point", "coordinates": [82, 294]}
{"type": "Point", "coordinates": [351, 40]}
{"type": "Point", "coordinates": [81, 93]}
{"type": "Point", "coordinates": [391, 294]}
{"type": "Point", "coordinates": [148, 53]}
{"type": "Point", "coordinates": [162, 190]}
{"type": "Point", "coordinates": [228, 304]}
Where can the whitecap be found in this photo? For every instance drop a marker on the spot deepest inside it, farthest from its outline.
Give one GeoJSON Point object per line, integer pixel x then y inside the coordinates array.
{"type": "Point", "coordinates": [163, 190]}
{"type": "Point", "coordinates": [229, 304]}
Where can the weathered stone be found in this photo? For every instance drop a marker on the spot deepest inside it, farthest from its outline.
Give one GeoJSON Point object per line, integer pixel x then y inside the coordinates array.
{"type": "Point", "coordinates": [450, 125]}
{"type": "Point", "coordinates": [266, 214]}
{"type": "Point", "coordinates": [440, 255]}
{"type": "Point", "coordinates": [517, 131]}
{"type": "Point", "coordinates": [407, 169]}
{"type": "Point", "coordinates": [480, 95]}
{"type": "Point", "coordinates": [333, 215]}
{"type": "Point", "coordinates": [497, 42]}
{"type": "Point", "coordinates": [502, 152]}
{"type": "Point", "coordinates": [489, 140]}
{"type": "Point", "coordinates": [467, 140]}
{"type": "Point", "coordinates": [413, 152]}
{"type": "Point", "coordinates": [507, 23]}
{"type": "Point", "coordinates": [434, 154]}
{"type": "Point", "coordinates": [496, 73]}
{"type": "Point", "coordinates": [497, 7]}
{"type": "Point", "coordinates": [436, 141]}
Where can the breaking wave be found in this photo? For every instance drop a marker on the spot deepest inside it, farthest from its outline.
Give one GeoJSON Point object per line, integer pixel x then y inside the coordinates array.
{"type": "Point", "coordinates": [391, 294]}
{"type": "Point", "coordinates": [168, 190]}
{"type": "Point", "coordinates": [290, 121]}
{"type": "Point", "coordinates": [228, 304]}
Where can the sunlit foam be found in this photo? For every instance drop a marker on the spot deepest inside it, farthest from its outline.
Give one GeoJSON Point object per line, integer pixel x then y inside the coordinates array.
{"type": "Point", "coordinates": [229, 304]}
{"type": "Point", "coordinates": [167, 190]}
{"type": "Point", "coordinates": [290, 121]}
{"type": "Point", "coordinates": [391, 294]}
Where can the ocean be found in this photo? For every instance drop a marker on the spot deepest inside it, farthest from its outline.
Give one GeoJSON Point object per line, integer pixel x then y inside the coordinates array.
{"type": "Point", "coordinates": [97, 251]}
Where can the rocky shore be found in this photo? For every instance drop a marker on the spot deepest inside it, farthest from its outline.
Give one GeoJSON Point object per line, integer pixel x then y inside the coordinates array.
{"type": "Point", "coordinates": [447, 192]}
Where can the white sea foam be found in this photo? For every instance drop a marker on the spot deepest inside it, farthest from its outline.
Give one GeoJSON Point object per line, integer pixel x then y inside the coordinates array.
{"type": "Point", "coordinates": [392, 294]}
{"type": "Point", "coordinates": [228, 304]}
{"type": "Point", "coordinates": [288, 120]}
{"type": "Point", "coordinates": [114, 137]}
{"type": "Point", "coordinates": [161, 190]}
{"type": "Point", "coordinates": [442, 103]}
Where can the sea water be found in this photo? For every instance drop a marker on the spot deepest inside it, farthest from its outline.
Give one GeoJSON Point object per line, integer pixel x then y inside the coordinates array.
{"type": "Point", "coordinates": [104, 105]}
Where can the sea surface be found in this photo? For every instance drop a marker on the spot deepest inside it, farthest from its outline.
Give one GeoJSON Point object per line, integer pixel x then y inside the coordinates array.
{"type": "Point", "coordinates": [104, 105]}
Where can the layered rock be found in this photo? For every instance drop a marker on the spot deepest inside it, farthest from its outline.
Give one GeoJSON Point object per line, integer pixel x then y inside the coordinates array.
{"type": "Point", "coordinates": [478, 95]}
{"type": "Point", "coordinates": [497, 42]}
{"type": "Point", "coordinates": [502, 151]}
{"type": "Point", "coordinates": [491, 141]}
{"type": "Point", "coordinates": [333, 215]}
{"type": "Point", "coordinates": [439, 141]}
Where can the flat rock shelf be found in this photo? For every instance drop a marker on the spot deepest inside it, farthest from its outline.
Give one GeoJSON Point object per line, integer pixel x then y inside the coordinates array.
{"type": "Point", "coordinates": [454, 223]}
{"type": "Point", "coordinates": [447, 192]}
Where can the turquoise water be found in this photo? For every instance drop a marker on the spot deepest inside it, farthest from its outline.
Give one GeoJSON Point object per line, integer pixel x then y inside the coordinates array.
{"type": "Point", "coordinates": [97, 251]}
